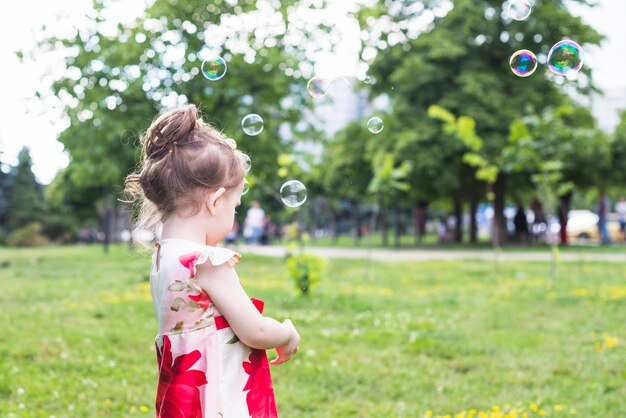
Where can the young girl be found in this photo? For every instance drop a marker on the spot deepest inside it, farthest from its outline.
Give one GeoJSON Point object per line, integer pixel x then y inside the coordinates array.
{"type": "Point", "coordinates": [212, 338]}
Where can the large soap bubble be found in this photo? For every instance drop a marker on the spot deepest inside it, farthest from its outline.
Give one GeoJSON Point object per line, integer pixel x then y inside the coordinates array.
{"type": "Point", "coordinates": [565, 57]}
{"type": "Point", "coordinates": [317, 87]}
{"type": "Point", "coordinates": [519, 9]}
{"type": "Point", "coordinates": [214, 69]}
{"type": "Point", "coordinates": [252, 124]}
{"type": "Point", "coordinates": [293, 193]}
{"type": "Point", "coordinates": [375, 125]}
{"type": "Point", "coordinates": [523, 63]}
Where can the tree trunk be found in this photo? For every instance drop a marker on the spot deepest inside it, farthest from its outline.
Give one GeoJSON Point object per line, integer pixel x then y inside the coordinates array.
{"type": "Point", "coordinates": [383, 220]}
{"type": "Point", "coordinates": [473, 223]}
{"type": "Point", "coordinates": [564, 202]}
{"type": "Point", "coordinates": [458, 215]}
{"type": "Point", "coordinates": [354, 220]}
{"type": "Point", "coordinates": [499, 220]}
{"type": "Point", "coordinates": [420, 221]}
{"type": "Point", "coordinates": [333, 223]}
{"type": "Point", "coordinates": [397, 224]}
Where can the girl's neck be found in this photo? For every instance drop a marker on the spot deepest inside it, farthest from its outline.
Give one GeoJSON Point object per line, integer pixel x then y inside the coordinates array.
{"type": "Point", "coordinates": [188, 228]}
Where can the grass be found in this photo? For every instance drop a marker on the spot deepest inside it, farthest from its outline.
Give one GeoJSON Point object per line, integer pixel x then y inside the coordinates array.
{"type": "Point", "coordinates": [378, 340]}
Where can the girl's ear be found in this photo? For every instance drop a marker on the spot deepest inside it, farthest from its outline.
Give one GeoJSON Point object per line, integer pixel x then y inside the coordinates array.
{"type": "Point", "coordinates": [213, 198]}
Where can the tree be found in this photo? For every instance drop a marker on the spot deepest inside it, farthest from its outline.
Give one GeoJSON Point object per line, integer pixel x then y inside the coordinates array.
{"type": "Point", "coordinates": [387, 182]}
{"type": "Point", "coordinates": [120, 76]}
{"type": "Point", "coordinates": [25, 203]}
{"type": "Point", "coordinates": [346, 170]}
{"type": "Point", "coordinates": [460, 61]}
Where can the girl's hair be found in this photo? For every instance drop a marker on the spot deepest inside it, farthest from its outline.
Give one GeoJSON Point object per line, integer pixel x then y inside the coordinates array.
{"type": "Point", "coordinates": [182, 157]}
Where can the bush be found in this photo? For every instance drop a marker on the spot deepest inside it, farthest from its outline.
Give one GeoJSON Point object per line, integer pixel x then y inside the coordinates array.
{"type": "Point", "coordinates": [60, 229]}
{"type": "Point", "coordinates": [305, 271]}
{"type": "Point", "coordinates": [28, 236]}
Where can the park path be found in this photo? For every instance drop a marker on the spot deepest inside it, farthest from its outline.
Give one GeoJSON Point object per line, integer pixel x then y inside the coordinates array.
{"type": "Point", "coordinates": [430, 255]}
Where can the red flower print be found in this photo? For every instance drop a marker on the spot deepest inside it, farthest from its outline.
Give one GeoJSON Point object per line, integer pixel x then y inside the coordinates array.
{"type": "Point", "coordinates": [189, 262]}
{"type": "Point", "coordinates": [260, 396]}
{"type": "Point", "coordinates": [177, 394]}
{"type": "Point", "coordinates": [202, 299]}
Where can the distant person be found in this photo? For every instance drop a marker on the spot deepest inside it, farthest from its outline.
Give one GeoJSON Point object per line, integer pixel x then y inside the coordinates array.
{"type": "Point", "coordinates": [253, 225]}
{"type": "Point", "coordinates": [620, 208]}
{"type": "Point", "coordinates": [212, 337]}
{"type": "Point", "coordinates": [443, 230]}
{"type": "Point", "coordinates": [521, 224]}
{"type": "Point", "coordinates": [602, 210]}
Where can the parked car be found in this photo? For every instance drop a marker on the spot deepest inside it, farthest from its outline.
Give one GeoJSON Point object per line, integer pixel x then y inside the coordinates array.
{"type": "Point", "coordinates": [583, 224]}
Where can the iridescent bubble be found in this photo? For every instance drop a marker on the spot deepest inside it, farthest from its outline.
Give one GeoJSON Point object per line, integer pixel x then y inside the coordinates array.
{"type": "Point", "coordinates": [519, 9]}
{"type": "Point", "coordinates": [523, 63]}
{"type": "Point", "coordinates": [231, 143]}
{"type": "Point", "coordinates": [246, 186]}
{"type": "Point", "coordinates": [247, 162]}
{"type": "Point", "coordinates": [565, 57]}
{"type": "Point", "coordinates": [214, 69]}
{"type": "Point", "coordinates": [375, 125]}
{"type": "Point", "coordinates": [339, 87]}
{"type": "Point", "coordinates": [317, 87]}
{"type": "Point", "coordinates": [293, 193]}
{"type": "Point", "coordinates": [252, 124]}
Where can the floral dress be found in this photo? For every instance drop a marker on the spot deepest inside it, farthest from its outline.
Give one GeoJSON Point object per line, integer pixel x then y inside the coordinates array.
{"type": "Point", "coordinates": [204, 370]}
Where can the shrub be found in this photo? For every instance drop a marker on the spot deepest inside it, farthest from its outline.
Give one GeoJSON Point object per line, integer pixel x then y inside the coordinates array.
{"type": "Point", "coordinates": [29, 235]}
{"type": "Point", "coordinates": [305, 271]}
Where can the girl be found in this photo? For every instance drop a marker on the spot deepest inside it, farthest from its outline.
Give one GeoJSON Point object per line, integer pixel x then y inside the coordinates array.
{"type": "Point", "coordinates": [212, 338]}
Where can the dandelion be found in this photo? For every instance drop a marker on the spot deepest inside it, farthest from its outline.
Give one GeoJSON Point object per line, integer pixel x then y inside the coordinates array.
{"type": "Point", "coordinates": [559, 408]}
{"type": "Point", "coordinates": [428, 414]}
{"type": "Point", "coordinates": [534, 408]}
{"type": "Point", "coordinates": [133, 409]}
{"type": "Point", "coordinates": [542, 412]}
{"type": "Point", "coordinates": [572, 412]}
{"type": "Point", "coordinates": [143, 408]}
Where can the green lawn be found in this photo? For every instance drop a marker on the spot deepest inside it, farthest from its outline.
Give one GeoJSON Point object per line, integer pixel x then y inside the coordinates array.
{"type": "Point", "coordinates": [378, 340]}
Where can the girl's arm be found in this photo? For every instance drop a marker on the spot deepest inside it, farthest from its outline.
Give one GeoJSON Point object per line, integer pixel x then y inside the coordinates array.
{"type": "Point", "coordinates": [253, 329]}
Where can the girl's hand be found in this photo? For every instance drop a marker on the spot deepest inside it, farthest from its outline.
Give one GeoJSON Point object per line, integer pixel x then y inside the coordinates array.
{"type": "Point", "coordinates": [288, 350]}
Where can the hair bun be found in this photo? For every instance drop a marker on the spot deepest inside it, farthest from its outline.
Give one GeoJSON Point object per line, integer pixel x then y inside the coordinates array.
{"type": "Point", "coordinates": [168, 129]}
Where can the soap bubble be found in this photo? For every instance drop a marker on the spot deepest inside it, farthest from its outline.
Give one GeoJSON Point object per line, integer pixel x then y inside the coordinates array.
{"type": "Point", "coordinates": [231, 143]}
{"type": "Point", "coordinates": [293, 193]}
{"type": "Point", "coordinates": [252, 124]}
{"type": "Point", "coordinates": [339, 87]}
{"type": "Point", "coordinates": [317, 87]}
{"type": "Point", "coordinates": [214, 69]}
{"type": "Point", "coordinates": [375, 125]}
{"type": "Point", "coordinates": [523, 63]}
{"type": "Point", "coordinates": [565, 57]}
{"type": "Point", "coordinates": [519, 9]}
{"type": "Point", "coordinates": [247, 162]}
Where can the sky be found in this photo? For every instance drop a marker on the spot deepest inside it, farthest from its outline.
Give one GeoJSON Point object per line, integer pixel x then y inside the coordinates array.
{"type": "Point", "coordinates": [31, 123]}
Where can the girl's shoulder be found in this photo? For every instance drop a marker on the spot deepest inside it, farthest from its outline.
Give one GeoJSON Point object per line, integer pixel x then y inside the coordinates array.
{"type": "Point", "coordinates": [189, 254]}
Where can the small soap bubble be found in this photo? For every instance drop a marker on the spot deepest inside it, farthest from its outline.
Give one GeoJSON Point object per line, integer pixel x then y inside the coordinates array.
{"type": "Point", "coordinates": [247, 162]}
{"type": "Point", "coordinates": [523, 63]}
{"type": "Point", "coordinates": [339, 87]}
{"type": "Point", "coordinates": [214, 69]}
{"type": "Point", "coordinates": [231, 143]}
{"type": "Point", "coordinates": [318, 87]}
{"type": "Point", "coordinates": [519, 9]}
{"type": "Point", "coordinates": [565, 57]}
{"type": "Point", "coordinates": [293, 193]}
{"type": "Point", "coordinates": [375, 125]}
{"type": "Point", "coordinates": [252, 124]}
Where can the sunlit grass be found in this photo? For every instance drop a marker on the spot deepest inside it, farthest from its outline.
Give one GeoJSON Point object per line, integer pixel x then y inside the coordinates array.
{"type": "Point", "coordinates": [441, 338]}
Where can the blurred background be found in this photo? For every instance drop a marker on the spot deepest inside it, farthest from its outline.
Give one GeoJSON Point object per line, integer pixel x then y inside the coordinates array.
{"type": "Point", "coordinates": [84, 80]}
